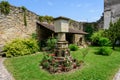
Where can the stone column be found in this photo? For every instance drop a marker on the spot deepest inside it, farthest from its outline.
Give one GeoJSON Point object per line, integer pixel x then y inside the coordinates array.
{"type": "Point", "coordinates": [61, 37]}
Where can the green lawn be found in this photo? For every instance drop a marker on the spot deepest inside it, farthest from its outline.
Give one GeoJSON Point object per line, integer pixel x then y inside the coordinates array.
{"type": "Point", "coordinates": [96, 67]}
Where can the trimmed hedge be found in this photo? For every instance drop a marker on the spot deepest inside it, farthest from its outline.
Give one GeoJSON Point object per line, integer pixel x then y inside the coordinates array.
{"type": "Point", "coordinates": [20, 47]}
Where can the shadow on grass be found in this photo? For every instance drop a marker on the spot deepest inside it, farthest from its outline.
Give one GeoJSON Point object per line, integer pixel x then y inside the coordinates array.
{"type": "Point", "coordinates": [117, 49]}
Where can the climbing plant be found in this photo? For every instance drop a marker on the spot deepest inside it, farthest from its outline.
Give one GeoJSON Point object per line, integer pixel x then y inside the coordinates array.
{"type": "Point", "coordinates": [4, 7]}
{"type": "Point", "coordinates": [24, 15]}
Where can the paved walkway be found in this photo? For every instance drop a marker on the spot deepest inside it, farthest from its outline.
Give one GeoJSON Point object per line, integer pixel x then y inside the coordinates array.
{"type": "Point", "coordinates": [4, 74]}
{"type": "Point", "coordinates": [117, 76]}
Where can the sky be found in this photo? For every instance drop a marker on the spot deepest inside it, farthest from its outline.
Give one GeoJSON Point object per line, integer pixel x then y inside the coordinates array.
{"type": "Point", "coordinates": [79, 10]}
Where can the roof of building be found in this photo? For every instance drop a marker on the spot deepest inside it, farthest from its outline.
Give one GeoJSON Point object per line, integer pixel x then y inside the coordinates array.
{"type": "Point", "coordinates": [51, 27]}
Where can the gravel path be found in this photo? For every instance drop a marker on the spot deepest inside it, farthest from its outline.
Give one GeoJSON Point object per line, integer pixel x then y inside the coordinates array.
{"type": "Point", "coordinates": [4, 74]}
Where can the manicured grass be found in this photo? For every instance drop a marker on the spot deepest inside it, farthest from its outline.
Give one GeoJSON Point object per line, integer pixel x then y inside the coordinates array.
{"type": "Point", "coordinates": [96, 67]}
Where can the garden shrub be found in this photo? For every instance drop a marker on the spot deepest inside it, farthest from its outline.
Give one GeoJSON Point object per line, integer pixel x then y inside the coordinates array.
{"type": "Point", "coordinates": [20, 47]}
{"type": "Point", "coordinates": [73, 47]}
{"type": "Point", "coordinates": [51, 42]}
{"type": "Point", "coordinates": [104, 51]}
{"type": "Point", "coordinates": [98, 39]}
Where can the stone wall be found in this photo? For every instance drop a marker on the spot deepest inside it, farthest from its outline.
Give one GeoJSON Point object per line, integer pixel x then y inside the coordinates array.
{"type": "Point", "coordinates": [12, 25]}
{"type": "Point", "coordinates": [111, 12]}
{"type": "Point", "coordinates": [79, 39]}
{"type": "Point", "coordinates": [75, 25]}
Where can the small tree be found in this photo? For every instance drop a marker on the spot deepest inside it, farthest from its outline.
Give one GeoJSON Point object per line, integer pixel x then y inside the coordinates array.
{"type": "Point", "coordinates": [113, 33]}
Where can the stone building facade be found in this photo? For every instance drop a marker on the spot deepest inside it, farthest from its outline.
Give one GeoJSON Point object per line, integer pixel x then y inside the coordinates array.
{"type": "Point", "coordinates": [111, 12]}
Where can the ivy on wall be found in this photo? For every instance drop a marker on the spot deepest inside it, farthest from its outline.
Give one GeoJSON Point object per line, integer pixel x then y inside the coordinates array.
{"type": "Point", "coordinates": [4, 7]}
{"type": "Point", "coordinates": [24, 15]}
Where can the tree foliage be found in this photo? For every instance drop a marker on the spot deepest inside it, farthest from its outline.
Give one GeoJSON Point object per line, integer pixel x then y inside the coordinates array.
{"type": "Point", "coordinates": [46, 18]}
{"type": "Point", "coordinates": [98, 39]}
{"type": "Point", "coordinates": [90, 29]}
{"type": "Point", "coordinates": [113, 33]}
{"type": "Point", "coordinates": [4, 7]}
